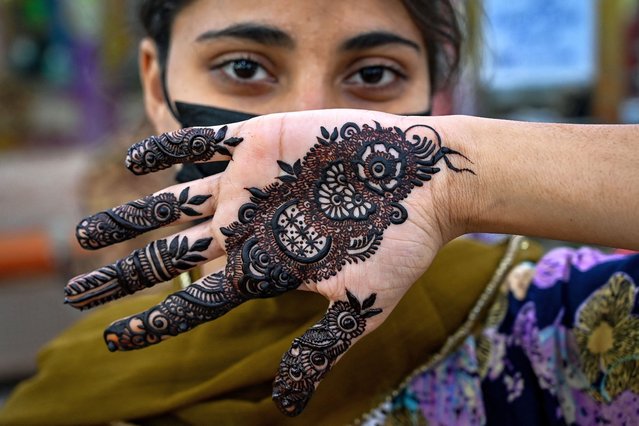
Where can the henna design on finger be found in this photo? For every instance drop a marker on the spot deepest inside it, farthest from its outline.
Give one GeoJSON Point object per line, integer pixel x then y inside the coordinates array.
{"type": "Point", "coordinates": [198, 303]}
{"type": "Point", "coordinates": [325, 211]}
{"type": "Point", "coordinates": [158, 262]}
{"type": "Point", "coordinates": [182, 146]}
{"type": "Point", "coordinates": [312, 356]}
{"type": "Point", "coordinates": [203, 301]}
{"type": "Point", "coordinates": [136, 217]}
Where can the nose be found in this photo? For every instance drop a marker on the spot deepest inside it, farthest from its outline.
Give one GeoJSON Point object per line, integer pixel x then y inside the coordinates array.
{"type": "Point", "coordinates": [310, 92]}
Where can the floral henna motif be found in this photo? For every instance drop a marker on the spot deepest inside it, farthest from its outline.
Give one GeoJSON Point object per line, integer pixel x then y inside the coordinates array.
{"type": "Point", "coordinates": [326, 210]}
{"type": "Point", "coordinates": [338, 199]}
{"type": "Point", "coordinates": [305, 229]}
{"type": "Point", "coordinates": [136, 217]}
{"type": "Point", "coordinates": [158, 262]}
{"type": "Point", "coordinates": [332, 207]}
{"type": "Point", "coordinates": [311, 356]}
{"type": "Point", "coordinates": [182, 146]}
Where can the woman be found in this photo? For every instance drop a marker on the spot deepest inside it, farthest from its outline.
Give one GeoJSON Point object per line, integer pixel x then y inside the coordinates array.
{"type": "Point", "coordinates": [351, 204]}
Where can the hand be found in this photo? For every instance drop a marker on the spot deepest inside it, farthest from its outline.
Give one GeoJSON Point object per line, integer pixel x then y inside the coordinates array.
{"type": "Point", "coordinates": [344, 203]}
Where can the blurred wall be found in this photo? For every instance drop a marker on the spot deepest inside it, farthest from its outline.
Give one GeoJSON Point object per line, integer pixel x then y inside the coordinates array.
{"type": "Point", "coordinates": [68, 85]}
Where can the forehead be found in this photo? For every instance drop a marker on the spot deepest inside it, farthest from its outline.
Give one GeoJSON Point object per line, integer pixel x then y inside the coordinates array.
{"type": "Point", "coordinates": [305, 21]}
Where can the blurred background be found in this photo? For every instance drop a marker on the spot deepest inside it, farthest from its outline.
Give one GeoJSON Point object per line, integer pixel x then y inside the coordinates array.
{"type": "Point", "coordinates": [70, 96]}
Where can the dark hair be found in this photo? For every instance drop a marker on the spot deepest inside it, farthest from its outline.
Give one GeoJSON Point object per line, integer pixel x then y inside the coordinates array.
{"type": "Point", "coordinates": [437, 20]}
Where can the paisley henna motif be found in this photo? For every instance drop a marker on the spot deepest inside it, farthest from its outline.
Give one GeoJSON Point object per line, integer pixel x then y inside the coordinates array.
{"type": "Point", "coordinates": [311, 356]}
{"type": "Point", "coordinates": [326, 210]}
{"type": "Point", "coordinates": [136, 217]}
{"type": "Point", "coordinates": [182, 146]}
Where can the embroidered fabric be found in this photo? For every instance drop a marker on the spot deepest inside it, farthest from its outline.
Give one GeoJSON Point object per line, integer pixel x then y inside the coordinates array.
{"type": "Point", "coordinates": [559, 346]}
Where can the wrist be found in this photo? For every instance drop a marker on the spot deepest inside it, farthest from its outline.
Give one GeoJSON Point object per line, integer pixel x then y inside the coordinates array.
{"type": "Point", "coordinates": [454, 195]}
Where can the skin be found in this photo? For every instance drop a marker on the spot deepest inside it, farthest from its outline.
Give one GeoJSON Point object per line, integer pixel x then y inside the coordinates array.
{"type": "Point", "coordinates": [561, 175]}
{"type": "Point", "coordinates": [392, 261]}
{"type": "Point", "coordinates": [472, 191]}
{"type": "Point", "coordinates": [377, 63]}
{"type": "Point", "coordinates": [309, 71]}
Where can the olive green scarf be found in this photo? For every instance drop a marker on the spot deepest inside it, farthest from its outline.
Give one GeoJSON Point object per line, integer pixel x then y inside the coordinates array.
{"type": "Point", "coordinates": [221, 372]}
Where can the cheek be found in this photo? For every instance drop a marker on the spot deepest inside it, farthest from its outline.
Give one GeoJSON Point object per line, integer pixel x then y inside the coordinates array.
{"type": "Point", "coordinates": [417, 97]}
{"type": "Point", "coordinates": [188, 80]}
{"type": "Point", "coordinates": [165, 122]}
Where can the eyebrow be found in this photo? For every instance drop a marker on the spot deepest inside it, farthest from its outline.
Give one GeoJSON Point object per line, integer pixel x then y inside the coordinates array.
{"type": "Point", "coordinates": [376, 39]}
{"type": "Point", "coordinates": [259, 33]}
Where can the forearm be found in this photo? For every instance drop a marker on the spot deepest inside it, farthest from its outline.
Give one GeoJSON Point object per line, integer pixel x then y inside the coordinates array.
{"type": "Point", "coordinates": [570, 182]}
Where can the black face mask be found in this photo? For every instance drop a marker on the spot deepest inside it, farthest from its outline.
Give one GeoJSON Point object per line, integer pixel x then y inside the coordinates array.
{"type": "Point", "coordinates": [194, 115]}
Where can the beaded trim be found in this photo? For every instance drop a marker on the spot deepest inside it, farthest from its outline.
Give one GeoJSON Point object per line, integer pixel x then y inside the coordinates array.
{"type": "Point", "coordinates": [516, 242]}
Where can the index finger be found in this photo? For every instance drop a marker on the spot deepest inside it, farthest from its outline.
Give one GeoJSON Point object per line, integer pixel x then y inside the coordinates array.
{"type": "Point", "coordinates": [189, 145]}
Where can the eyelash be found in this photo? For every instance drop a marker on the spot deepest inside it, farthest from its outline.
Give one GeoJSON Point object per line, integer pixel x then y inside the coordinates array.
{"type": "Point", "coordinates": [397, 74]}
{"type": "Point", "coordinates": [247, 58]}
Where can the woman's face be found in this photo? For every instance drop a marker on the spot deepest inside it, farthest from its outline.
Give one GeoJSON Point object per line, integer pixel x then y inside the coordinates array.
{"type": "Point", "coordinates": [289, 55]}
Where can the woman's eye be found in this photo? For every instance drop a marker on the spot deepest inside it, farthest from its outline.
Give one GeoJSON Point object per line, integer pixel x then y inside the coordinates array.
{"type": "Point", "coordinates": [373, 76]}
{"type": "Point", "coordinates": [244, 69]}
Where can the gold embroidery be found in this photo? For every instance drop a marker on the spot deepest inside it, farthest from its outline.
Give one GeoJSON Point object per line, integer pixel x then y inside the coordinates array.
{"type": "Point", "coordinates": [607, 336]}
{"type": "Point", "coordinates": [514, 245]}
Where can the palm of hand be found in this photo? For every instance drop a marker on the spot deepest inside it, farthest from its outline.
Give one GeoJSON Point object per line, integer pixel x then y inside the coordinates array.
{"type": "Point", "coordinates": [315, 226]}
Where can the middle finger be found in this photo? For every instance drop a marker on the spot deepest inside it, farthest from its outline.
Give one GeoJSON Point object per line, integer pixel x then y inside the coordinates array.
{"type": "Point", "coordinates": [158, 262]}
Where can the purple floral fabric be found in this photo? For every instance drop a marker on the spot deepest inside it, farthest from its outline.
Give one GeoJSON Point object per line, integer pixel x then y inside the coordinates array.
{"type": "Point", "coordinates": [560, 347]}
{"type": "Point", "coordinates": [556, 265]}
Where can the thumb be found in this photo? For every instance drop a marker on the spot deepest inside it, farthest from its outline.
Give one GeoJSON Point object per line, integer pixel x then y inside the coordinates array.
{"type": "Point", "coordinates": [312, 355]}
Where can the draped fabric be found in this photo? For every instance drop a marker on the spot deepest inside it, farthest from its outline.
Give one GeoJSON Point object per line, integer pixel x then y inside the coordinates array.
{"type": "Point", "coordinates": [221, 373]}
{"type": "Point", "coordinates": [560, 346]}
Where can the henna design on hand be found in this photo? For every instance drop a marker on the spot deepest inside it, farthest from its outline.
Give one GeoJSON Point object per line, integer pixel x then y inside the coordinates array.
{"type": "Point", "coordinates": [182, 146]}
{"type": "Point", "coordinates": [136, 217]}
{"type": "Point", "coordinates": [326, 210]}
{"type": "Point", "coordinates": [198, 303]}
{"type": "Point", "coordinates": [158, 262]}
{"type": "Point", "coordinates": [203, 301]}
{"type": "Point", "coordinates": [305, 229]}
{"type": "Point", "coordinates": [332, 207]}
{"type": "Point", "coordinates": [312, 356]}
